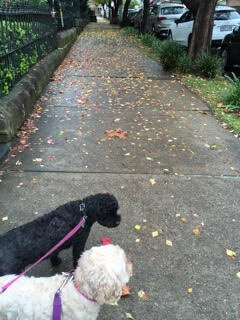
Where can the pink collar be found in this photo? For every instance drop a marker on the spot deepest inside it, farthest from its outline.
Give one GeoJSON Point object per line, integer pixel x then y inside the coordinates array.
{"type": "Point", "coordinates": [82, 293]}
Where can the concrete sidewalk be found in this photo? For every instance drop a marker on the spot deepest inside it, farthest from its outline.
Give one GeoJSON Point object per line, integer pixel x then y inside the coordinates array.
{"type": "Point", "coordinates": [176, 175]}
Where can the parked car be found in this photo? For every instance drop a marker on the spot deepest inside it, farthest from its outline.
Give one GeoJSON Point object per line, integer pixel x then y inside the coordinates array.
{"type": "Point", "coordinates": [163, 15]}
{"type": "Point", "coordinates": [225, 19]}
{"type": "Point", "coordinates": [131, 16]}
{"type": "Point", "coordinates": [230, 50]}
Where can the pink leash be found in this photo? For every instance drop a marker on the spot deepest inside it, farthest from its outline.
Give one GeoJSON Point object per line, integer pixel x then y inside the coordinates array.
{"type": "Point", "coordinates": [69, 235]}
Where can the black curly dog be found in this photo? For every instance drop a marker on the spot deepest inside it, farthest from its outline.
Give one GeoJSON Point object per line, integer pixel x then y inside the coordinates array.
{"type": "Point", "coordinates": [24, 245]}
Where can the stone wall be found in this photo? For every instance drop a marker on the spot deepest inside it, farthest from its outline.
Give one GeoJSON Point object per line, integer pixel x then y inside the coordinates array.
{"type": "Point", "coordinates": [15, 107]}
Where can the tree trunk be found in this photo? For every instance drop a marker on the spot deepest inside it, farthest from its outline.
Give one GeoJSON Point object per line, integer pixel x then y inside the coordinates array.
{"type": "Point", "coordinates": [125, 13]}
{"type": "Point", "coordinates": [115, 13]}
{"type": "Point", "coordinates": [145, 20]}
{"type": "Point", "coordinates": [202, 28]}
{"type": "Point", "coordinates": [203, 11]}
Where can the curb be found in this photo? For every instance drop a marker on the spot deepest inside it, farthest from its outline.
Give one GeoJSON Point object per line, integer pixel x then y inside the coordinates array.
{"type": "Point", "coordinates": [15, 107]}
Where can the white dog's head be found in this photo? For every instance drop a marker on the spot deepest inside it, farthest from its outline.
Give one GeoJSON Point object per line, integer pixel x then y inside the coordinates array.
{"type": "Point", "coordinates": [102, 272]}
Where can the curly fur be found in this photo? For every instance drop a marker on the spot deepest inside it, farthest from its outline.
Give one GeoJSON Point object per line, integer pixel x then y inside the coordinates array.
{"type": "Point", "coordinates": [24, 245]}
{"type": "Point", "coordinates": [101, 273]}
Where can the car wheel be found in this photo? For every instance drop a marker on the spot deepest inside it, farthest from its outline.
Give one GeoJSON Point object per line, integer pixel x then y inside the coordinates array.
{"type": "Point", "coordinates": [169, 36]}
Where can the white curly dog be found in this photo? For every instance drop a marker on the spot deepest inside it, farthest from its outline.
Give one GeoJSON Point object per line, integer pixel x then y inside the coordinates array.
{"type": "Point", "coordinates": [99, 277]}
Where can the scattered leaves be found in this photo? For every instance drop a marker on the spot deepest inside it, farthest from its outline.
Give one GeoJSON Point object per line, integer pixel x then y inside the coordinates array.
{"type": "Point", "coordinates": [119, 133]}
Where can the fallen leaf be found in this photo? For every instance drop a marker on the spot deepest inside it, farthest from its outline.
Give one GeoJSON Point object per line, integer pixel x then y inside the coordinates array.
{"type": "Point", "coordinates": [169, 243]}
{"type": "Point", "coordinates": [129, 316]}
{"type": "Point", "coordinates": [231, 254]}
{"type": "Point", "coordinates": [183, 219]}
{"type": "Point", "coordinates": [137, 227]}
{"type": "Point", "coordinates": [5, 218]}
{"type": "Point", "coordinates": [196, 231]}
{"type": "Point", "coordinates": [119, 133]}
{"type": "Point", "coordinates": [143, 295]}
{"type": "Point", "coordinates": [125, 290]}
{"type": "Point", "coordinates": [155, 234]}
{"type": "Point", "coordinates": [190, 290]}
{"type": "Point", "coordinates": [152, 181]}
{"type": "Point", "coordinates": [238, 274]}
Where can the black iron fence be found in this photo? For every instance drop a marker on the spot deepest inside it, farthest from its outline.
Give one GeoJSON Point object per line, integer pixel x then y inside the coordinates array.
{"type": "Point", "coordinates": [27, 34]}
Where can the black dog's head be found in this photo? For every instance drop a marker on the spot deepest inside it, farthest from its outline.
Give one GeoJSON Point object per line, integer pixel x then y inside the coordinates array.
{"type": "Point", "coordinates": [102, 208]}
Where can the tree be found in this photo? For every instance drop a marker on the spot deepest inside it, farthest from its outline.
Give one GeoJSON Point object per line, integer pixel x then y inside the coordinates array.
{"type": "Point", "coordinates": [125, 13]}
{"type": "Point", "coordinates": [203, 11]}
{"type": "Point", "coordinates": [145, 19]}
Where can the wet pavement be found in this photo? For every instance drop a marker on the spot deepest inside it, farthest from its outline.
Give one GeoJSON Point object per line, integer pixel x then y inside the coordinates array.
{"type": "Point", "coordinates": [176, 174]}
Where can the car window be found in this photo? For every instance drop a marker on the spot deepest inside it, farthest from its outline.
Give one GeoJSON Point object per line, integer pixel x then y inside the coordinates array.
{"type": "Point", "coordinates": [187, 16]}
{"type": "Point", "coordinates": [226, 15]}
{"type": "Point", "coordinates": [172, 10]}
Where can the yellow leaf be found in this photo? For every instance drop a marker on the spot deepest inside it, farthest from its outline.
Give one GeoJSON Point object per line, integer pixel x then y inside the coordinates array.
{"type": "Point", "coordinates": [184, 220]}
{"type": "Point", "coordinates": [231, 254]}
{"type": "Point", "coordinates": [196, 231]}
{"type": "Point", "coordinates": [137, 227]}
{"type": "Point", "coordinates": [129, 316]}
{"type": "Point", "coordinates": [152, 181]}
{"type": "Point", "coordinates": [190, 290]}
{"type": "Point", "coordinates": [238, 274]}
{"type": "Point", "coordinates": [4, 218]}
{"type": "Point", "coordinates": [169, 243]}
{"type": "Point", "coordinates": [155, 234]}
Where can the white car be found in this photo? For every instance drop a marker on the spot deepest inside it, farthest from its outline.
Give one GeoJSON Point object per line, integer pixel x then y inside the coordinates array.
{"type": "Point", "coordinates": [163, 15]}
{"type": "Point", "coordinates": [225, 19]}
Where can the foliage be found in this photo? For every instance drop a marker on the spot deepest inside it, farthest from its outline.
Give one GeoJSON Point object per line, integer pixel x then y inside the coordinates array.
{"type": "Point", "coordinates": [231, 97]}
{"type": "Point", "coordinates": [184, 63]}
{"type": "Point", "coordinates": [208, 65]}
{"type": "Point", "coordinates": [147, 39]}
{"type": "Point", "coordinates": [169, 54]}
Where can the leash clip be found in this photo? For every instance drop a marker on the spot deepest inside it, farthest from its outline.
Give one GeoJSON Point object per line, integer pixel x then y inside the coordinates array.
{"type": "Point", "coordinates": [82, 206]}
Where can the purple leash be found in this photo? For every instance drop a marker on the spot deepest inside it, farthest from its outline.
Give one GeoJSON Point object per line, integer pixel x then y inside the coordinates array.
{"type": "Point", "coordinates": [68, 236]}
{"type": "Point", "coordinates": [57, 303]}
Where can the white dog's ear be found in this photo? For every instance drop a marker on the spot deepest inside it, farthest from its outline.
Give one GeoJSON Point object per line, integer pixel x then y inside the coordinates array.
{"type": "Point", "coordinates": [106, 288]}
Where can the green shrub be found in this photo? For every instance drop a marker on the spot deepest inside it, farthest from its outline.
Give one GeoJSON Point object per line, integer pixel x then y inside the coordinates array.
{"type": "Point", "coordinates": [184, 63]}
{"type": "Point", "coordinates": [156, 46]}
{"type": "Point", "coordinates": [169, 54]}
{"type": "Point", "coordinates": [208, 65]}
{"type": "Point", "coordinates": [130, 31]}
{"type": "Point", "coordinates": [232, 97]}
{"type": "Point", "coordinates": [147, 39]}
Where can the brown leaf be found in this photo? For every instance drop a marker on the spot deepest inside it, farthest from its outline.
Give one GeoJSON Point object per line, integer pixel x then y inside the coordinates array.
{"type": "Point", "coordinates": [119, 133]}
{"type": "Point", "coordinates": [126, 290]}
